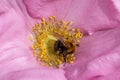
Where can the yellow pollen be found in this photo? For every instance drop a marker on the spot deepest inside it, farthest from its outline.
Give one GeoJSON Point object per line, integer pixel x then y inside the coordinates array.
{"type": "Point", "coordinates": [46, 33]}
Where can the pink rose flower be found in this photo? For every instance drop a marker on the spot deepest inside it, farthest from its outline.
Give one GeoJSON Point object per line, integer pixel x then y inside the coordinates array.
{"type": "Point", "coordinates": [97, 57]}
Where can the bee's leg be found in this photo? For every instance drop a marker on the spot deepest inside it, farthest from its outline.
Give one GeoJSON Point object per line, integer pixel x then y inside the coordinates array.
{"type": "Point", "coordinates": [58, 52]}
{"type": "Point", "coordinates": [64, 57]}
{"type": "Point", "coordinates": [77, 45]}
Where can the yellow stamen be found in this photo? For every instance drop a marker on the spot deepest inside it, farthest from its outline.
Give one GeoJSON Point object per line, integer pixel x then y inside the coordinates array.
{"type": "Point", "coordinates": [46, 34]}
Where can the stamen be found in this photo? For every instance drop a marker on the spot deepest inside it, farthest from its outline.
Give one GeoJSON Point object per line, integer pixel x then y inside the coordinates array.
{"type": "Point", "coordinates": [46, 34]}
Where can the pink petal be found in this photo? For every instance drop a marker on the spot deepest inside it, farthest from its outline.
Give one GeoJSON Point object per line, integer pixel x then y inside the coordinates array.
{"type": "Point", "coordinates": [117, 4]}
{"type": "Point", "coordinates": [16, 57]}
{"type": "Point", "coordinates": [89, 15]}
{"type": "Point", "coordinates": [34, 74]}
{"type": "Point", "coordinates": [98, 57]}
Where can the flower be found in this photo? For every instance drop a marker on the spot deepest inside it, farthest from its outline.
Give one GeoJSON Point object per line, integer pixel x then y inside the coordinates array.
{"type": "Point", "coordinates": [97, 57]}
{"type": "Point", "coordinates": [54, 42]}
{"type": "Point", "coordinates": [17, 61]}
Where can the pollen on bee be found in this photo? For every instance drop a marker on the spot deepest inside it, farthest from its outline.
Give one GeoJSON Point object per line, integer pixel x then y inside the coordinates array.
{"type": "Point", "coordinates": [46, 33]}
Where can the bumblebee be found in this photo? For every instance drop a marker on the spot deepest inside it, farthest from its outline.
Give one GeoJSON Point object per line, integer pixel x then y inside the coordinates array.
{"type": "Point", "coordinates": [64, 47]}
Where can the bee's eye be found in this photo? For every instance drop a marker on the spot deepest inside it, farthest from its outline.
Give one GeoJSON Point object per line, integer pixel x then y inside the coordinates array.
{"type": "Point", "coordinates": [60, 44]}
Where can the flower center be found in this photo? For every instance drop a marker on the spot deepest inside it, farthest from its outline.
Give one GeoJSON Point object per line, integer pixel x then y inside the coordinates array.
{"type": "Point", "coordinates": [54, 42]}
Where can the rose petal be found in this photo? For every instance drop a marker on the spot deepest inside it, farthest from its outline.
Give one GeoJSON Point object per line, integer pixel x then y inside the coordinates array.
{"type": "Point", "coordinates": [116, 3]}
{"type": "Point", "coordinates": [98, 57]}
{"type": "Point", "coordinates": [35, 74]}
{"type": "Point", "coordinates": [89, 15]}
{"type": "Point", "coordinates": [17, 61]}
{"type": "Point", "coordinates": [14, 42]}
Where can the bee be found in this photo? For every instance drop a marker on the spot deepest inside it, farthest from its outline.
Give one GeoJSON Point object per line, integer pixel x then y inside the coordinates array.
{"type": "Point", "coordinates": [64, 47]}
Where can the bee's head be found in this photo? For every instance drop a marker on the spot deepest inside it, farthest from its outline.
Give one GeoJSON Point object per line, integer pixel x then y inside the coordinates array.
{"type": "Point", "coordinates": [64, 48]}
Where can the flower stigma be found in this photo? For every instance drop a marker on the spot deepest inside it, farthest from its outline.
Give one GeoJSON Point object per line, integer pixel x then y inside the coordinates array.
{"type": "Point", "coordinates": [54, 42]}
